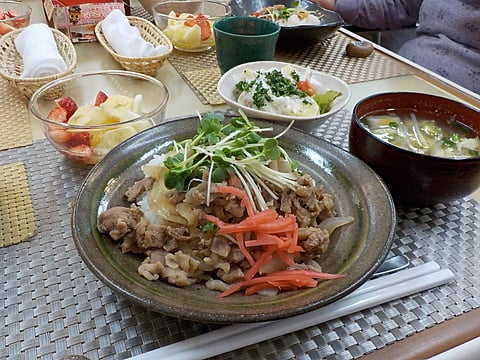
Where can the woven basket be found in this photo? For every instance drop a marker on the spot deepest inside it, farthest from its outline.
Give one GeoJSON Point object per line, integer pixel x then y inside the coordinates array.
{"type": "Point", "coordinates": [150, 33]}
{"type": "Point", "coordinates": [11, 63]}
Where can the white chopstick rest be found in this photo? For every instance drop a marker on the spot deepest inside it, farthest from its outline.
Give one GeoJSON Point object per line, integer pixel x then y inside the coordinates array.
{"type": "Point", "coordinates": [38, 49]}
{"type": "Point", "coordinates": [372, 293]}
{"type": "Point", "coordinates": [125, 39]}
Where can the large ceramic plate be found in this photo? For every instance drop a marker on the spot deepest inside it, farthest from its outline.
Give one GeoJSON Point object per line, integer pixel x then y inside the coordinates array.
{"type": "Point", "coordinates": [296, 36]}
{"type": "Point", "coordinates": [320, 80]}
{"type": "Point", "coordinates": [356, 249]}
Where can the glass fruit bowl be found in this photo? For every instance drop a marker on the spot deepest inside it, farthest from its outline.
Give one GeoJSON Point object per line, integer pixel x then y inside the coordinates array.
{"type": "Point", "coordinates": [188, 24]}
{"type": "Point", "coordinates": [13, 15]}
{"type": "Point", "coordinates": [85, 115]}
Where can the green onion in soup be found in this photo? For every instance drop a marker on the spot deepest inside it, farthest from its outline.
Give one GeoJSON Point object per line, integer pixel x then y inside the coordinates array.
{"type": "Point", "coordinates": [423, 135]}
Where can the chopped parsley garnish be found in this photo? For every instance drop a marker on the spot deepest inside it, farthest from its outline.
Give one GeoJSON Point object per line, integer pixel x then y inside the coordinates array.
{"type": "Point", "coordinates": [275, 81]}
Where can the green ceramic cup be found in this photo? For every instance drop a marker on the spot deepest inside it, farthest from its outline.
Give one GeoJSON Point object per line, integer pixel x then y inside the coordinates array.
{"type": "Point", "coordinates": [241, 39]}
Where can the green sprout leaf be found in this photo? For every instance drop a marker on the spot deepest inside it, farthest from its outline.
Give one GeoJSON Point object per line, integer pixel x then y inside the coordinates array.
{"type": "Point", "coordinates": [271, 149]}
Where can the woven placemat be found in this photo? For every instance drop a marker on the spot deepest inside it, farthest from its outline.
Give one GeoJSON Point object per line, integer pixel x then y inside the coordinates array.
{"type": "Point", "coordinates": [204, 85]}
{"type": "Point", "coordinates": [16, 211]}
{"type": "Point", "coordinates": [330, 57]}
{"type": "Point", "coordinates": [14, 121]}
{"type": "Point", "coordinates": [201, 72]}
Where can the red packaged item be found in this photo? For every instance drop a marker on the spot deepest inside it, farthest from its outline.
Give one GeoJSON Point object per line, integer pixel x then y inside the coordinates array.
{"type": "Point", "coordinates": [77, 18]}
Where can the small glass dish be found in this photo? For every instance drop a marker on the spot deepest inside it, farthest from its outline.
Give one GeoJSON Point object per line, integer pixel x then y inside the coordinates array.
{"type": "Point", "coordinates": [95, 111]}
{"type": "Point", "coordinates": [189, 24]}
{"type": "Point", "coordinates": [13, 15]}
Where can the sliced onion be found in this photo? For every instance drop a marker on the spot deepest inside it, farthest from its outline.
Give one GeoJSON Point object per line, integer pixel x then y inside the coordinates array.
{"type": "Point", "coordinates": [275, 264]}
{"type": "Point", "coordinates": [417, 132]}
{"type": "Point", "coordinates": [332, 223]}
{"type": "Point", "coordinates": [268, 292]}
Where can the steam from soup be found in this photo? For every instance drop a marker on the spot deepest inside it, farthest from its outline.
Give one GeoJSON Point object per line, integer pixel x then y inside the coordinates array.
{"type": "Point", "coordinates": [423, 135]}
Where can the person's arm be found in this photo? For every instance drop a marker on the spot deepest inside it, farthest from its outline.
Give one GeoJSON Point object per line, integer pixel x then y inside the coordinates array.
{"type": "Point", "coordinates": [375, 14]}
{"type": "Point", "coordinates": [326, 4]}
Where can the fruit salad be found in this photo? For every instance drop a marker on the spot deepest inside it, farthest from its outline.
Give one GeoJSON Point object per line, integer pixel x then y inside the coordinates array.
{"type": "Point", "coordinates": [96, 127]}
{"type": "Point", "coordinates": [11, 20]}
{"type": "Point", "coordinates": [190, 32]}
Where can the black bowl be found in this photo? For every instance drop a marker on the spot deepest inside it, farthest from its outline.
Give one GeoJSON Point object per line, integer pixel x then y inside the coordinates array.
{"type": "Point", "coordinates": [295, 36]}
{"type": "Point", "coordinates": [415, 179]}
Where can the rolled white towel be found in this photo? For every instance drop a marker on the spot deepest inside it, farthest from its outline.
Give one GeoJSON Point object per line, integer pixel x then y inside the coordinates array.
{"type": "Point", "coordinates": [126, 39]}
{"type": "Point", "coordinates": [38, 49]}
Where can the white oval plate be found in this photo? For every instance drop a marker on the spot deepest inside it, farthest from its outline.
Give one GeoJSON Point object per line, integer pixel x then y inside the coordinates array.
{"type": "Point", "coordinates": [320, 80]}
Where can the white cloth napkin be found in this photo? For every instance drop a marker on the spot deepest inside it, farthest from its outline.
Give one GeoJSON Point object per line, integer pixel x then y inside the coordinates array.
{"type": "Point", "coordinates": [125, 39]}
{"type": "Point", "coordinates": [38, 49]}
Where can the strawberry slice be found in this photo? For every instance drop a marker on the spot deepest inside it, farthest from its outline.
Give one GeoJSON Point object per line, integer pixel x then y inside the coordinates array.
{"type": "Point", "coordinates": [11, 13]}
{"type": "Point", "coordinates": [79, 138]}
{"type": "Point", "coordinates": [68, 104]}
{"type": "Point", "coordinates": [100, 98]}
{"type": "Point", "coordinates": [190, 21]}
{"type": "Point", "coordinates": [202, 21]}
{"type": "Point", "coordinates": [80, 152]}
{"type": "Point", "coordinates": [20, 23]}
{"type": "Point", "coordinates": [58, 114]}
{"type": "Point", "coordinates": [60, 136]}
{"type": "Point", "coordinates": [5, 28]}
{"type": "Point", "coordinates": [205, 30]}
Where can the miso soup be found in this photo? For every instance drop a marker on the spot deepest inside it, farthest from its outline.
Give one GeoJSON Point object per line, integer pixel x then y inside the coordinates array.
{"type": "Point", "coordinates": [426, 136]}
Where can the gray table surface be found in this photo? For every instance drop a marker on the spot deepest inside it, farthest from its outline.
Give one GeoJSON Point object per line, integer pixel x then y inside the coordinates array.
{"type": "Point", "coordinates": [51, 305]}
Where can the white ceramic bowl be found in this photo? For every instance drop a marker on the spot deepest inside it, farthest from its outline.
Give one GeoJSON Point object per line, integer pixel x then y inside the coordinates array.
{"type": "Point", "coordinates": [321, 81]}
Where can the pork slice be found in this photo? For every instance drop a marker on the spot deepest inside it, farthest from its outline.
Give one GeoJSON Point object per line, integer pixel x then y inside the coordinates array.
{"type": "Point", "coordinates": [314, 240]}
{"type": "Point", "coordinates": [150, 235]}
{"type": "Point", "coordinates": [119, 221]}
{"type": "Point", "coordinates": [135, 192]}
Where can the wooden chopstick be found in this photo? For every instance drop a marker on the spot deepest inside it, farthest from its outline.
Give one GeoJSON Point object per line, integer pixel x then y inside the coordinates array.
{"type": "Point", "coordinates": [432, 341]}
